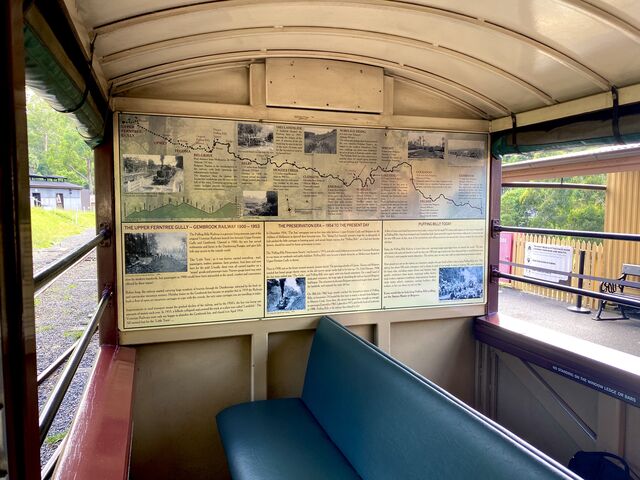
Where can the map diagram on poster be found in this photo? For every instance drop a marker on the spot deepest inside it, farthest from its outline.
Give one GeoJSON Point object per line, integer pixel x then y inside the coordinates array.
{"type": "Point", "coordinates": [229, 220]}
{"type": "Point", "coordinates": [177, 169]}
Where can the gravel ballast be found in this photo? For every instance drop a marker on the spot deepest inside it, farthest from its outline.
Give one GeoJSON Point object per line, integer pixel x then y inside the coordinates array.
{"type": "Point", "coordinates": [63, 311]}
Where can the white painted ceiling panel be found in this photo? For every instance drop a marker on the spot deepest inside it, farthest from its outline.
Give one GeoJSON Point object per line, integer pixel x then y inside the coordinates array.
{"type": "Point", "coordinates": [498, 55]}
{"type": "Point", "coordinates": [474, 76]}
{"type": "Point", "coordinates": [519, 58]}
{"type": "Point", "coordinates": [230, 86]}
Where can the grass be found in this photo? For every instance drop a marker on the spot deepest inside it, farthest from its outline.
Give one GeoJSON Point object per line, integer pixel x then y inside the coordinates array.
{"type": "Point", "coordinates": [49, 227]}
{"type": "Point", "coordinates": [53, 439]}
{"type": "Point", "coordinates": [73, 334]}
{"type": "Point", "coordinates": [44, 328]}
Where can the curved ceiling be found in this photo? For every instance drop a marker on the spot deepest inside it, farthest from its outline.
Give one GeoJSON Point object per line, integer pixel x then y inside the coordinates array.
{"type": "Point", "coordinates": [494, 57]}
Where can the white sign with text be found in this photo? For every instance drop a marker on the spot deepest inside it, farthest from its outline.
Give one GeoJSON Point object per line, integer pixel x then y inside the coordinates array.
{"type": "Point", "coordinates": [550, 257]}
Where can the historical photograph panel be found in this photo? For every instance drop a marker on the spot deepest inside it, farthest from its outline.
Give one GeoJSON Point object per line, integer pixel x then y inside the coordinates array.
{"type": "Point", "coordinates": [425, 145]}
{"type": "Point", "coordinates": [460, 283]}
{"type": "Point", "coordinates": [152, 173]}
{"type": "Point", "coordinates": [260, 203]}
{"type": "Point", "coordinates": [320, 140]}
{"type": "Point", "coordinates": [255, 137]}
{"type": "Point", "coordinates": [286, 294]}
{"type": "Point", "coordinates": [466, 149]}
{"type": "Point", "coordinates": [155, 252]}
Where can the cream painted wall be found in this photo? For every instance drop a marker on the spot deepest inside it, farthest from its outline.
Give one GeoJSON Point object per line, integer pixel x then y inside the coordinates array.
{"type": "Point", "coordinates": [181, 386]}
{"type": "Point", "coordinates": [186, 375]}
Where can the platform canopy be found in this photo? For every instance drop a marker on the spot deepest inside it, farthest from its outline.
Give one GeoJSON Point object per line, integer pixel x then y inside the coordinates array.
{"type": "Point", "coordinates": [474, 59]}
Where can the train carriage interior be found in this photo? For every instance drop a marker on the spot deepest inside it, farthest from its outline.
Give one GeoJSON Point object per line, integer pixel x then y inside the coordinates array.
{"type": "Point", "coordinates": [298, 236]}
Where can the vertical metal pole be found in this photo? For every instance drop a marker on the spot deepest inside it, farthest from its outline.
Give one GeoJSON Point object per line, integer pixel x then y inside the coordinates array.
{"type": "Point", "coordinates": [578, 308]}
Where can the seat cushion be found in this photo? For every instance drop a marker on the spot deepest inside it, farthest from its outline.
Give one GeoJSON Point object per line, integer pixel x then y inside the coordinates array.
{"type": "Point", "coordinates": [279, 439]}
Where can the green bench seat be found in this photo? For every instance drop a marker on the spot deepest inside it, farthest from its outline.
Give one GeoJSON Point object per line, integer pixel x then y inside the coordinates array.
{"type": "Point", "coordinates": [364, 415]}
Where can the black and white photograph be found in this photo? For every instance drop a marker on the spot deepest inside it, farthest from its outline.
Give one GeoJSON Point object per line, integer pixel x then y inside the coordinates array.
{"type": "Point", "coordinates": [260, 203]}
{"type": "Point", "coordinates": [155, 252]}
{"type": "Point", "coordinates": [255, 137]}
{"type": "Point", "coordinates": [320, 140]}
{"type": "Point", "coordinates": [286, 294]}
{"type": "Point", "coordinates": [425, 145]}
{"type": "Point", "coordinates": [466, 149]}
{"type": "Point", "coordinates": [152, 173]}
{"type": "Point", "coordinates": [460, 283]}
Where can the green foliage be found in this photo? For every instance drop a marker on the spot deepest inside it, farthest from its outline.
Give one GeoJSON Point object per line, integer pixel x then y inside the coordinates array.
{"type": "Point", "coordinates": [55, 146]}
{"type": "Point", "coordinates": [50, 226]}
{"type": "Point", "coordinates": [53, 439]}
{"type": "Point", "coordinates": [73, 334]}
{"type": "Point", "coordinates": [555, 208]}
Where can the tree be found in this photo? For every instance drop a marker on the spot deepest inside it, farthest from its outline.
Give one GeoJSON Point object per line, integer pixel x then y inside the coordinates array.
{"type": "Point", "coordinates": [55, 146]}
{"type": "Point", "coordinates": [555, 208]}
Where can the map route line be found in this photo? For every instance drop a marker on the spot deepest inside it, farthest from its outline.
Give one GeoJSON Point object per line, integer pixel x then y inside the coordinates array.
{"type": "Point", "coordinates": [369, 180]}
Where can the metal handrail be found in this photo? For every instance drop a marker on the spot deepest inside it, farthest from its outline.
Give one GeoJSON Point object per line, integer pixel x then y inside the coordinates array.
{"type": "Point", "coordinates": [53, 366]}
{"type": "Point", "coordinates": [633, 237]}
{"type": "Point", "coordinates": [50, 272]}
{"type": "Point", "coordinates": [50, 466]}
{"type": "Point", "coordinates": [620, 299]}
{"type": "Point", "coordinates": [54, 401]}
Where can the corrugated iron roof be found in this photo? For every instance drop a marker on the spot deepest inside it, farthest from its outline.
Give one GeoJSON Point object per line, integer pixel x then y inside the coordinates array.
{"type": "Point", "coordinates": [55, 185]}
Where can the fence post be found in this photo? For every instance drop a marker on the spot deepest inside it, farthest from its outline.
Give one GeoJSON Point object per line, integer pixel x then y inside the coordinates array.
{"type": "Point", "coordinates": [578, 308]}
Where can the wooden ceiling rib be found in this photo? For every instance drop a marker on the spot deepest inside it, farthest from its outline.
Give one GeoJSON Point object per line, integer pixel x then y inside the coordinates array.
{"type": "Point", "coordinates": [131, 78]}
{"type": "Point", "coordinates": [440, 93]}
{"type": "Point", "coordinates": [312, 30]}
{"type": "Point", "coordinates": [556, 55]}
{"type": "Point", "coordinates": [605, 17]}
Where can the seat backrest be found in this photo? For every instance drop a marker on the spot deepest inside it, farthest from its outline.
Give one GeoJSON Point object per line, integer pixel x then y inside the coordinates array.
{"type": "Point", "coordinates": [390, 422]}
{"type": "Point", "coordinates": [629, 269]}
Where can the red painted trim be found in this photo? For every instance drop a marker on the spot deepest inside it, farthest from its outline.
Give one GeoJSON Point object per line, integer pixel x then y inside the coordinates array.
{"type": "Point", "coordinates": [105, 216]}
{"type": "Point", "coordinates": [99, 444]}
{"type": "Point", "coordinates": [19, 413]}
{"type": "Point", "coordinates": [495, 196]}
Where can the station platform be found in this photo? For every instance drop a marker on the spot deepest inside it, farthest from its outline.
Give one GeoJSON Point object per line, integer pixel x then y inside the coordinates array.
{"type": "Point", "coordinates": [622, 335]}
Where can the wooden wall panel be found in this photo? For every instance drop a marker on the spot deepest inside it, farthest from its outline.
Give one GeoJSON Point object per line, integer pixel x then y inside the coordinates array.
{"type": "Point", "coordinates": [287, 362]}
{"type": "Point", "coordinates": [368, 332]}
{"type": "Point", "coordinates": [632, 437]}
{"type": "Point", "coordinates": [528, 416]}
{"type": "Point", "coordinates": [288, 355]}
{"type": "Point", "coordinates": [180, 387]}
{"type": "Point", "coordinates": [324, 84]}
{"type": "Point", "coordinates": [228, 86]}
{"type": "Point", "coordinates": [527, 407]}
{"type": "Point", "coordinates": [441, 350]}
{"type": "Point", "coordinates": [622, 214]}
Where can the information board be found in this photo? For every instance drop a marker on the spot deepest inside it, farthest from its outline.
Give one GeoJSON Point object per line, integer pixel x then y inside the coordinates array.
{"type": "Point", "coordinates": [224, 220]}
{"type": "Point", "coordinates": [557, 258]}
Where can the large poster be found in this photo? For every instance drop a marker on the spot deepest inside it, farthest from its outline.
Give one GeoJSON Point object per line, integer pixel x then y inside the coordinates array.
{"type": "Point", "coordinates": [228, 220]}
